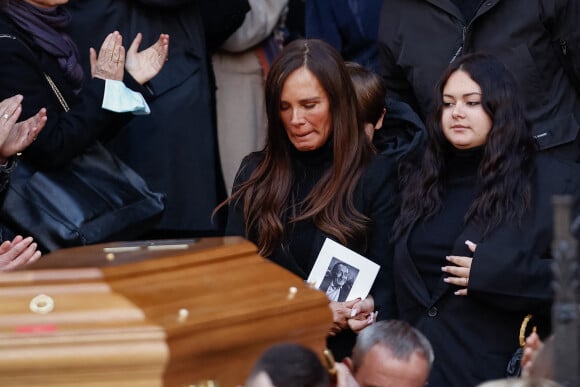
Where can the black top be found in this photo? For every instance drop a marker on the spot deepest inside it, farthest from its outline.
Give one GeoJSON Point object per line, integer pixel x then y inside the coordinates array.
{"type": "Point", "coordinates": [309, 168]}
{"type": "Point", "coordinates": [430, 241]}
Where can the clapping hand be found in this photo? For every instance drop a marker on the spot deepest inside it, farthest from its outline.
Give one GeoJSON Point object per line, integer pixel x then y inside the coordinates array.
{"type": "Point", "coordinates": [144, 65]}
{"type": "Point", "coordinates": [16, 136]}
{"type": "Point", "coordinates": [110, 63]}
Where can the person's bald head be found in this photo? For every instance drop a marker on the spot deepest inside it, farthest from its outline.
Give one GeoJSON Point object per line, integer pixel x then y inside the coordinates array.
{"type": "Point", "coordinates": [392, 354]}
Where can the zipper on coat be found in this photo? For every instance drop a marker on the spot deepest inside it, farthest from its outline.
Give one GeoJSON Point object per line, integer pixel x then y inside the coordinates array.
{"type": "Point", "coordinates": [460, 49]}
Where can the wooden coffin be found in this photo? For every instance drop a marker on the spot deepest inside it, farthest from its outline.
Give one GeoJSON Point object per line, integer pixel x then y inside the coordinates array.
{"type": "Point", "coordinates": [154, 313]}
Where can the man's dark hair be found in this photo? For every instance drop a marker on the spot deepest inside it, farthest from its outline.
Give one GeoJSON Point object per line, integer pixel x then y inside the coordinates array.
{"type": "Point", "coordinates": [291, 365]}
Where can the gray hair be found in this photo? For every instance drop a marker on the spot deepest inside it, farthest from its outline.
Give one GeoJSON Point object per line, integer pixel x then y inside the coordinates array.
{"type": "Point", "coordinates": [520, 382]}
{"type": "Point", "coordinates": [399, 337]}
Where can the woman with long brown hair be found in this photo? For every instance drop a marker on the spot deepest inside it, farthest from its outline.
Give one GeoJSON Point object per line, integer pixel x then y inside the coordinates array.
{"type": "Point", "coordinates": [317, 177]}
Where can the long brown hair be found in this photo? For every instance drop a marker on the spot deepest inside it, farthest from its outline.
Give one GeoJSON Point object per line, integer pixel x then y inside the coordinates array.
{"type": "Point", "coordinates": [329, 204]}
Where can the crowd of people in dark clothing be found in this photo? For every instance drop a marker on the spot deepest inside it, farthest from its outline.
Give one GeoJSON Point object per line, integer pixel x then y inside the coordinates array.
{"type": "Point", "coordinates": [427, 136]}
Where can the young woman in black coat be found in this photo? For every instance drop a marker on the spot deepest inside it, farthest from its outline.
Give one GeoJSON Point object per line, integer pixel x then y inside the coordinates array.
{"type": "Point", "coordinates": [472, 254]}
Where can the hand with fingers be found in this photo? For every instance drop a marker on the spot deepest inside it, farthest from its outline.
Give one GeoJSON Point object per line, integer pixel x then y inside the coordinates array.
{"type": "Point", "coordinates": [144, 65]}
{"type": "Point", "coordinates": [533, 346]}
{"type": "Point", "coordinates": [16, 136]}
{"type": "Point", "coordinates": [459, 272]}
{"type": "Point", "coordinates": [110, 62]}
{"type": "Point", "coordinates": [363, 314]}
{"type": "Point", "coordinates": [18, 252]}
{"type": "Point", "coordinates": [341, 312]}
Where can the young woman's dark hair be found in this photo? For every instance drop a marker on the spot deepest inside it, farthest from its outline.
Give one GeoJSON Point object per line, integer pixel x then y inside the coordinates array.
{"type": "Point", "coordinates": [503, 185]}
{"type": "Point", "coordinates": [330, 202]}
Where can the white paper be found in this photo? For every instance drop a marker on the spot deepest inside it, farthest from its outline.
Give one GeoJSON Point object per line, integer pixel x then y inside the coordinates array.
{"type": "Point", "coordinates": [361, 272]}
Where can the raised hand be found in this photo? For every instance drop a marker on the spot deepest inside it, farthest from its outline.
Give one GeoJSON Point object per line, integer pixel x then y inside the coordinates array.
{"type": "Point", "coordinates": [16, 136]}
{"type": "Point", "coordinates": [146, 64]}
{"type": "Point", "coordinates": [110, 63]}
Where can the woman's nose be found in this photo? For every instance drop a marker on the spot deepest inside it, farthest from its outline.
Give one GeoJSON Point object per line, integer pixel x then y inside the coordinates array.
{"type": "Point", "coordinates": [458, 110]}
{"type": "Point", "coordinates": [297, 117]}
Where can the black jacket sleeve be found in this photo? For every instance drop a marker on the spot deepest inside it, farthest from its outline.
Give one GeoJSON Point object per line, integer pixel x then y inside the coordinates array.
{"type": "Point", "coordinates": [379, 190]}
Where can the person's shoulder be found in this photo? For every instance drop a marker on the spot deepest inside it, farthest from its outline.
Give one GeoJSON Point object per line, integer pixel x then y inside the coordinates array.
{"type": "Point", "coordinates": [248, 165]}
{"type": "Point", "coordinates": [13, 42]}
{"type": "Point", "coordinates": [381, 167]}
{"type": "Point", "coordinates": [379, 180]}
{"type": "Point", "coordinates": [556, 175]}
{"type": "Point", "coordinates": [5, 24]}
{"type": "Point", "coordinates": [8, 36]}
{"type": "Point", "coordinates": [547, 165]}
{"type": "Point", "coordinates": [252, 160]}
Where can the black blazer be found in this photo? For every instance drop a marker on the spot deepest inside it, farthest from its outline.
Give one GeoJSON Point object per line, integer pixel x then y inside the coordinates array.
{"type": "Point", "coordinates": [474, 336]}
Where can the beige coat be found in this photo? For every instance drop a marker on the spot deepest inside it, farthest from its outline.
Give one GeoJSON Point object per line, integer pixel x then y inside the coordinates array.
{"type": "Point", "coordinates": [241, 112]}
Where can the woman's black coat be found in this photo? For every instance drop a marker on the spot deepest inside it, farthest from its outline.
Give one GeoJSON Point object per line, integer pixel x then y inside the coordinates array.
{"type": "Point", "coordinates": [474, 336]}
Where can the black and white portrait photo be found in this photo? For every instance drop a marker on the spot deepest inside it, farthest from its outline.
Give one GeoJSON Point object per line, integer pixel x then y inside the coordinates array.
{"type": "Point", "coordinates": [341, 273]}
{"type": "Point", "coordinates": [337, 282]}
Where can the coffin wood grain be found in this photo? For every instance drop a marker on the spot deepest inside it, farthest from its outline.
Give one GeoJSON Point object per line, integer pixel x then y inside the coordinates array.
{"type": "Point", "coordinates": [116, 320]}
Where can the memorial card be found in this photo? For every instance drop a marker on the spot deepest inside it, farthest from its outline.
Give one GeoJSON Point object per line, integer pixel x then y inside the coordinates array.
{"type": "Point", "coordinates": [341, 273]}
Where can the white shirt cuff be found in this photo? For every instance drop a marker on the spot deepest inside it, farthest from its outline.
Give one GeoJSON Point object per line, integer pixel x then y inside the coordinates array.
{"type": "Point", "coordinates": [120, 99]}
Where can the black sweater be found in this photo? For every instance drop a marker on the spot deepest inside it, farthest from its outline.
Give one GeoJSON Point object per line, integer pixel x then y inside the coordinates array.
{"type": "Point", "coordinates": [431, 240]}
